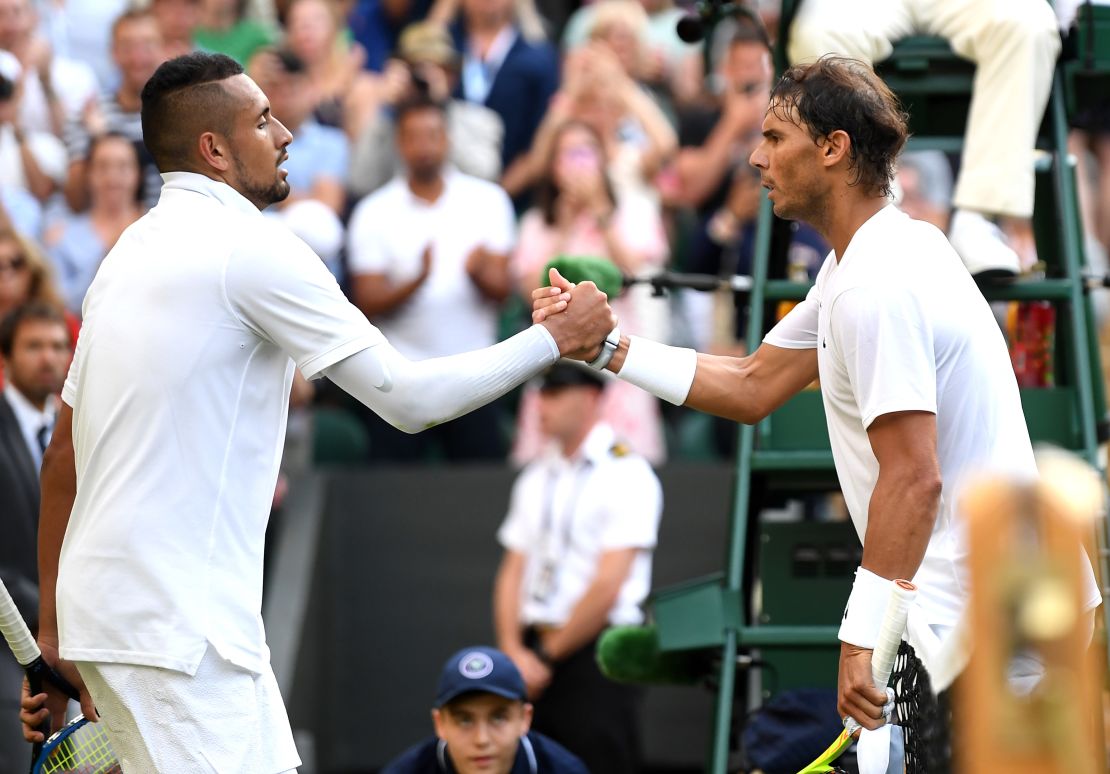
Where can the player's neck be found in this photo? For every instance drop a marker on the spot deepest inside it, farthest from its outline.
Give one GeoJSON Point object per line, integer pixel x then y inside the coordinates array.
{"type": "Point", "coordinates": [843, 217]}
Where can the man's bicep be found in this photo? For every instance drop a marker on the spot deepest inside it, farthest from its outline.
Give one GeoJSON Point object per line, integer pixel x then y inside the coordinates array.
{"type": "Point", "coordinates": [904, 438]}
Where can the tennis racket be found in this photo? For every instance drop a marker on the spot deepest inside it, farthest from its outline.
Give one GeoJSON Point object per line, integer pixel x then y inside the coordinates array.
{"type": "Point", "coordinates": [882, 663]}
{"type": "Point", "coordinates": [79, 748]}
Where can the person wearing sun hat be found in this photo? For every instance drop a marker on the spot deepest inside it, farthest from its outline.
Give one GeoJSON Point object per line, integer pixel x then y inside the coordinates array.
{"type": "Point", "coordinates": [482, 724]}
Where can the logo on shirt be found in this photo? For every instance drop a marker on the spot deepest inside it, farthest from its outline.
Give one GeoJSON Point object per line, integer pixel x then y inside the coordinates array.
{"type": "Point", "coordinates": [823, 343]}
{"type": "Point", "coordinates": [475, 666]}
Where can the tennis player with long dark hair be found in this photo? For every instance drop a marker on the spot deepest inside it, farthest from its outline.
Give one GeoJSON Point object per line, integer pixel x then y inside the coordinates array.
{"type": "Point", "coordinates": [917, 384]}
{"type": "Point", "coordinates": [158, 482]}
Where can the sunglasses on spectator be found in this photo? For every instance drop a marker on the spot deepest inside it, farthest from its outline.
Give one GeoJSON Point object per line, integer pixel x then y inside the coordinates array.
{"type": "Point", "coordinates": [16, 264]}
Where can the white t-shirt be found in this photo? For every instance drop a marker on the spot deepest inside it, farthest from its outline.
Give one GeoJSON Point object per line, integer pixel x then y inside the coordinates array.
{"type": "Point", "coordinates": [387, 235]}
{"type": "Point", "coordinates": [180, 392]}
{"type": "Point", "coordinates": [564, 513]}
{"type": "Point", "coordinates": [899, 325]}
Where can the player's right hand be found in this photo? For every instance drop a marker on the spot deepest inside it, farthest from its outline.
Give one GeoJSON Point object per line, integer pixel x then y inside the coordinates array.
{"type": "Point", "coordinates": [51, 702]}
{"type": "Point", "coordinates": [858, 697]}
{"type": "Point", "coordinates": [582, 326]}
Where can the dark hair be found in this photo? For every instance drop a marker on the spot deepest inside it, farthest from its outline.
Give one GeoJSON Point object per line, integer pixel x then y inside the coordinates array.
{"type": "Point", "coordinates": [182, 93]}
{"type": "Point", "coordinates": [98, 139]}
{"type": "Point", "coordinates": [37, 311]}
{"type": "Point", "coordinates": [838, 93]}
{"type": "Point", "coordinates": [415, 104]}
{"type": "Point", "coordinates": [7, 88]}
{"type": "Point", "coordinates": [547, 193]}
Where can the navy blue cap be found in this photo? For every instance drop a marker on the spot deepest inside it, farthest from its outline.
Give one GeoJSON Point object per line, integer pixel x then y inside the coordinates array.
{"type": "Point", "coordinates": [481, 669]}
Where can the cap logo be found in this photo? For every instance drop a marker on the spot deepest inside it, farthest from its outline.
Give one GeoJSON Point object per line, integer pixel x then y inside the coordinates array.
{"type": "Point", "coordinates": [475, 665]}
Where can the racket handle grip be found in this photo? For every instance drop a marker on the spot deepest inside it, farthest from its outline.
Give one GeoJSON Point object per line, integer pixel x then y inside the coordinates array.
{"type": "Point", "coordinates": [15, 630]}
{"type": "Point", "coordinates": [39, 671]}
{"type": "Point", "coordinates": [902, 595]}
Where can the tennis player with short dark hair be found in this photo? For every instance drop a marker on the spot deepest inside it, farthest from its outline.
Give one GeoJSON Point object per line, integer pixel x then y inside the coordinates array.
{"type": "Point", "coordinates": [158, 482]}
{"type": "Point", "coordinates": [482, 720]}
{"type": "Point", "coordinates": [917, 384]}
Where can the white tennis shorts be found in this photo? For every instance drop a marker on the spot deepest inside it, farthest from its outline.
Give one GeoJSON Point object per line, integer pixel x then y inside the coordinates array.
{"type": "Point", "coordinates": [223, 720]}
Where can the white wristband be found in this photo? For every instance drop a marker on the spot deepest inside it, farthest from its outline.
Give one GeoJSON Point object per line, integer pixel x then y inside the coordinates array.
{"type": "Point", "coordinates": [866, 608]}
{"type": "Point", "coordinates": [664, 371]}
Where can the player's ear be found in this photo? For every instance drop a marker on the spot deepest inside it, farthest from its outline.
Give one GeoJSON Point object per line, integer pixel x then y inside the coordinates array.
{"type": "Point", "coordinates": [438, 722]}
{"type": "Point", "coordinates": [835, 148]}
{"type": "Point", "coordinates": [525, 718]}
{"type": "Point", "coordinates": [214, 151]}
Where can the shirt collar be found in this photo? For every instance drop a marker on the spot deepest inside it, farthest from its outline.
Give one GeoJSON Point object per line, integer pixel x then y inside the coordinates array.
{"type": "Point", "coordinates": [206, 186]}
{"type": "Point", "coordinates": [26, 414]}
{"type": "Point", "coordinates": [594, 448]}
{"type": "Point", "coordinates": [875, 223]}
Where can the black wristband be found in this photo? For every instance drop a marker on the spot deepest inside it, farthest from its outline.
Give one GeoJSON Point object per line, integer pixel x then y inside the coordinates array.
{"type": "Point", "coordinates": [542, 654]}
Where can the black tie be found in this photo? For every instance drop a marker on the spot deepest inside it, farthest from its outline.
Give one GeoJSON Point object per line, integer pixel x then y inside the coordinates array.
{"type": "Point", "coordinates": [44, 436]}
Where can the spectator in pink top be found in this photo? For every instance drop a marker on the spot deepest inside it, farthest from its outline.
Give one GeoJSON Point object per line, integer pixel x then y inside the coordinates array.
{"type": "Point", "coordinates": [577, 213]}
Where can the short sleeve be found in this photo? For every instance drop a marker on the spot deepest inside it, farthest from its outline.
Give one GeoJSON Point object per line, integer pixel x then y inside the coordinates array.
{"type": "Point", "coordinates": [798, 330]}
{"type": "Point", "coordinates": [885, 343]}
{"type": "Point", "coordinates": [365, 243]}
{"type": "Point", "coordinates": [281, 290]}
{"type": "Point", "coordinates": [71, 384]}
{"type": "Point", "coordinates": [515, 533]}
{"type": "Point", "coordinates": [632, 518]}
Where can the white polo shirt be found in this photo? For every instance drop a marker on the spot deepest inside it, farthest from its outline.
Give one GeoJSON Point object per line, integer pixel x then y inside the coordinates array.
{"type": "Point", "coordinates": [564, 513]}
{"type": "Point", "coordinates": [899, 325]}
{"type": "Point", "coordinates": [180, 390]}
{"type": "Point", "coordinates": [388, 232]}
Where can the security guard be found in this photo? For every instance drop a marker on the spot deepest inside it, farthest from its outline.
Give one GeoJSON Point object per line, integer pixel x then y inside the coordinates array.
{"type": "Point", "coordinates": [578, 539]}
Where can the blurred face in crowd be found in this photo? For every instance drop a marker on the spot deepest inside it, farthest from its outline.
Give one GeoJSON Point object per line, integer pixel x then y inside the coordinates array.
{"type": "Point", "coordinates": [487, 11]}
{"type": "Point", "coordinates": [39, 359]}
{"type": "Point", "coordinates": [258, 141]}
{"type": "Point", "coordinates": [311, 29]}
{"type": "Point", "coordinates": [746, 68]}
{"type": "Point", "coordinates": [568, 412]}
{"type": "Point", "coordinates": [422, 143]}
{"type": "Point", "coordinates": [137, 51]}
{"type": "Point", "coordinates": [482, 731]}
{"type": "Point", "coordinates": [578, 155]}
{"type": "Point", "coordinates": [17, 21]}
{"type": "Point", "coordinates": [15, 275]}
{"type": "Point", "coordinates": [113, 171]}
{"type": "Point", "coordinates": [788, 161]}
{"type": "Point", "coordinates": [177, 18]}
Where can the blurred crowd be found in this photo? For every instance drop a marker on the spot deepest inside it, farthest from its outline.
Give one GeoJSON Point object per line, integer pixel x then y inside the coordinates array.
{"type": "Point", "coordinates": [444, 151]}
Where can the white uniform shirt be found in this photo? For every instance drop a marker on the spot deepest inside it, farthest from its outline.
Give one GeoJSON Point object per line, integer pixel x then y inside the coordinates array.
{"type": "Point", "coordinates": [388, 232]}
{"type": "Point", "coordinates": [180, 391]}
{"type": "Point", "coordinates": [899, 325]}
{"type": "Point", "coordinates": [564, 513]}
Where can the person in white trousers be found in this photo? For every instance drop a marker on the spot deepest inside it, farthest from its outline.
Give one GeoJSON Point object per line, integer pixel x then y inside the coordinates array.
{"type": "Point", "coordinates": [1014, 44]}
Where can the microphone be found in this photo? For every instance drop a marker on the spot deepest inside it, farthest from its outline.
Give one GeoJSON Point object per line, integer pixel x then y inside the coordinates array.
{"type": "Point", "coordinates": [630, 654]}
{"type": "Point", "coordinates": [706, 14]}
{"type": "Point", "coordinates": [690, 28]}
{"type": "Point", "coordinates": [579, 268]}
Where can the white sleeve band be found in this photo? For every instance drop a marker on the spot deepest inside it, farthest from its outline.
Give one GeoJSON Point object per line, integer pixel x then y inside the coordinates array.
{"type": "Point", "coordinates": [866, 608]}
{"type": "Point", "coordinates": [664, 371]}
{"type": "Point", "coordinates": [416, 395]}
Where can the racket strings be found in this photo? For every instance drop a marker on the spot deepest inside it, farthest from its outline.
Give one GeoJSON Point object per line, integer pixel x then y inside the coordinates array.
{"type": "Point", "coordinates": [925, 718]}
{"type": "Point", "coordinates": [84, 751]}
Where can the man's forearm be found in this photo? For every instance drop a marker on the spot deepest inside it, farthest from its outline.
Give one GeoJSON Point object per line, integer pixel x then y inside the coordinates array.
{"type": "Point", "coordinates": [900, 521]}
{"type": "Point", "coordinates": [59, 489]}
{"type": "Point", "coordinates": [591, 615]}
{"type": "Point", "coordinates": [506, 603]}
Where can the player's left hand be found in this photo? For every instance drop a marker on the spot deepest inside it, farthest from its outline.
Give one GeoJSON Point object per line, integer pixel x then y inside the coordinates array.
{"type": "Point", "coordinates": [857, 695]}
